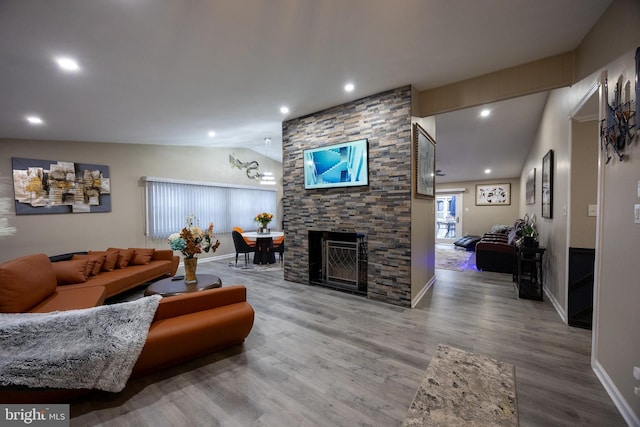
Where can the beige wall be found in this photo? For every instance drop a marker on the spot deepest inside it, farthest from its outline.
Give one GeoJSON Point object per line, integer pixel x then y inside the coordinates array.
{"type": "Point", "coordinates": [610, 47]}
{"type": "Point", "coordinates": [477, 220]}
{"type": "Point", "coordinates": [553, 134]}
{"type": "Point", "coordinates": [124, 225]}
{"type": "Point", "coordinates": [584, 183]}
{"type": "Point", "coordinates": [615, 33]}
{"type": "Point", "coordinates": [422, 230]}
{"type": "Point", "coordinates": [617, 293]}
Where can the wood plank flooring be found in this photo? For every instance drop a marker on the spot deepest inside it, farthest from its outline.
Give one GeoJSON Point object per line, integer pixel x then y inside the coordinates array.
{"type": "Point", "coordinates": [319, 357]}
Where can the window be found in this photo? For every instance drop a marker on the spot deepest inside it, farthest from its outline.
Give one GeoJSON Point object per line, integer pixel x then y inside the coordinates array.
{"type": "Point", "coordinates": [169, 202]}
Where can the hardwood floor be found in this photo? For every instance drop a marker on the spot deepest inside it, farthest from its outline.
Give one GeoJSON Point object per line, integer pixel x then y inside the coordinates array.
{"type": "Point", "coordinates": [319, 357]}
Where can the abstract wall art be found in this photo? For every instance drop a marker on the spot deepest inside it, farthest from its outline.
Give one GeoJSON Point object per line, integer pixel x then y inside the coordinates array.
{"type": "Point", "coordinates": [493, 194]}
{"type": "Point", "coordinates": [54, 187]}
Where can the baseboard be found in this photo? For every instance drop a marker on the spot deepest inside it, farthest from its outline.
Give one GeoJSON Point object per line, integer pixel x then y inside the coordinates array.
{"type": "Point", "coordinates": [208, 259]}
{"type": "Point", "coordinates": [557, 306]}
{"type": "Point", "coordinates": [621, 403]}
{"type": "Point", "coordinates": [423, 291]}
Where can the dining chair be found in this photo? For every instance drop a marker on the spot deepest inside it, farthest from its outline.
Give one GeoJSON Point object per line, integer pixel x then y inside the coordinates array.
{"type": "Point", "coordinates": [250, 242]}
{"type": "Point", "coordinates": [242, 247]}
{"type": "Point", "coordinates": [279, 248]}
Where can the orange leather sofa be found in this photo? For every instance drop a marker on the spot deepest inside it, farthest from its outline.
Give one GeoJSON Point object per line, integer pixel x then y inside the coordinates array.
{"type": "Point", "coordinates": [34, 284]}
{"type": "Point", "coordinates": [184, 327]}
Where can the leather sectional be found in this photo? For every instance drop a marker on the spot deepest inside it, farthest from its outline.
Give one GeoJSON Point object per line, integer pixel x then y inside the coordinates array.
{"type": "Point", "coordinates": [184, 327]}
{"type": "Point", "coordinates": [496, 251]}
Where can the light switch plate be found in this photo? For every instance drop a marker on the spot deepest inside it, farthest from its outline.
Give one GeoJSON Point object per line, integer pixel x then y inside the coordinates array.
{"type": "Point", "coordinates": [638, 188]}
{"type": "Point", "coordinates": [592, 210]}
{"type": "Point", "coordinates": [636, 214]}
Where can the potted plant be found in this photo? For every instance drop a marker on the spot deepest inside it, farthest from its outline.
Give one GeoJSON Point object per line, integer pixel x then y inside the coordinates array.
{"type": "Point", "coordinates": [529, 236]}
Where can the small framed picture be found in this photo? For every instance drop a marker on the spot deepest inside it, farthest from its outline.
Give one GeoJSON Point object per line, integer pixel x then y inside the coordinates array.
{"type": "Point", "coordinates": [547, 185]}
{"type": "Point", "coordinates": [531, 187]}
{"type": "Point", "coordinates": [425, 158]}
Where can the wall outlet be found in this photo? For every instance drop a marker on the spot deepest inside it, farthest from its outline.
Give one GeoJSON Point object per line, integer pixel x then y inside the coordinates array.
{"type": "Point", "coordinates": [636, 214]}
{"type": "Point", "coordinates": [636, 372]}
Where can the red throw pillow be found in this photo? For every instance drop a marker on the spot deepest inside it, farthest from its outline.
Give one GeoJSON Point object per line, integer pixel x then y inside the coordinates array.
{"type": "Point", "coordinates": [70, 272]}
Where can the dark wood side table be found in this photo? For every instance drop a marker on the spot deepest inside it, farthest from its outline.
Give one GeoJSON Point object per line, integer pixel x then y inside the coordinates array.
{"type": "Point", "coordinates": [530, 272]}
{"type": "Point", "coordinates": [168, 287]}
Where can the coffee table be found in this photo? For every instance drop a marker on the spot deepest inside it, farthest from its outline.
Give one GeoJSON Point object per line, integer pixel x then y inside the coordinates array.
{"type": "Point", "coordinates": [168, 287]}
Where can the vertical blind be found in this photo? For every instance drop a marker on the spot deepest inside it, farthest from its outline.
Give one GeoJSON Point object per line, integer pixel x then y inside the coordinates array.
{"type": "Point", "coordinates": [169, 202]}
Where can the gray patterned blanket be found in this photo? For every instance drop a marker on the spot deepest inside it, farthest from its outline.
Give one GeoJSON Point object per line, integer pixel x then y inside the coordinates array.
{"type": "Point", "coordinates": [93, 348]}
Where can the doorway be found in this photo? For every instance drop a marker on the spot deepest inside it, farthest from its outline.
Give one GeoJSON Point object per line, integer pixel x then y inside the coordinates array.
{"type": "Point", "coordinates": [448, 224]}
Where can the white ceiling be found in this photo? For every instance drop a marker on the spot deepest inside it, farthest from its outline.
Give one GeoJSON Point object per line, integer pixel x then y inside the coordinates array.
{"type": "Point", "coordinates": [168, 71]}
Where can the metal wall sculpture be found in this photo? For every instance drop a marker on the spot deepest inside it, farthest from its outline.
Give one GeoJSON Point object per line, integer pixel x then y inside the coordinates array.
{"type": "Point", "coordinates": [619, 126]}
{"type": "Point", "coordinates": [252, 168]}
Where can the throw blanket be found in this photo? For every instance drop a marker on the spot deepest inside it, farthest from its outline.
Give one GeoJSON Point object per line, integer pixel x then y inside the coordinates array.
{"type": "Point", "coordinates": [88, 348]}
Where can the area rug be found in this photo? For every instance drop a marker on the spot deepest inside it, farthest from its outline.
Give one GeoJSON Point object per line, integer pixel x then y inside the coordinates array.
{"type": "Point", "coordinates": [450, 258]}
{"type": "Point", "coordinates": [255, 267]}
{"type": "Point", "coordinates": [464, 389]}
{"type": "Point", "coordinates": [87, 348]}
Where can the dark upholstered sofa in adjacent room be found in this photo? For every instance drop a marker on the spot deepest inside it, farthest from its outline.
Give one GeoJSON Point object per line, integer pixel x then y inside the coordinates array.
{"type": "Point", "coordinates": [496, 251]}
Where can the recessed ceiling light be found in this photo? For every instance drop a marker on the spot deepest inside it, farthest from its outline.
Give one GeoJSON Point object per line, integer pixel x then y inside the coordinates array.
{"type": "Point", "coordinates": [67, 64]}
{"type": "Point", "coordinates": [34, 120]}
{"type": "Point", "coordinates": [485, 113]}
{"type": "Point", "coordinates": [284, 110]}
{"type": "Point", "coordinates": [487, 171]}
{"type": "Point", "coordinates": [349, 87]}
{"type": "Point", "coordinates": [211, 134]}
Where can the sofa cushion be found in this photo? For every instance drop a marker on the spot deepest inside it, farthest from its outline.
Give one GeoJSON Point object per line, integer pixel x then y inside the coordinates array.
{"type": "Point", "coordinates": [110, 260]}
{"type": "Point", "coordinates": [70, 298]}
{"type": "Point", "coordinates": [70, 272]}
{"type": "Point", "coordinates": [500, 228]}
{"type": "Point", "coordinates": [513, 235]}
{"type": "Point", "coordinates": [94, 266]}
{"type": "Point", "coordinates": [124, 256]}
{"type": "Point", "coordinates": [24, 282]}
{"type": "Point", "coordinates": [141, 256]}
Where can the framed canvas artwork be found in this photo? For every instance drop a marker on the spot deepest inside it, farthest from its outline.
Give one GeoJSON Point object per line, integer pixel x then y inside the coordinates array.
{"type": "Point", "coordinates": [425, 162]}
{"type": "Point", "coordinates": [493, 194]}
{"type": "Point", "coordinates": [547, 185]}
{"type": "Point", "coordinates": [531, 187]}
{"type": "Point", "coordinates": [56, 187]}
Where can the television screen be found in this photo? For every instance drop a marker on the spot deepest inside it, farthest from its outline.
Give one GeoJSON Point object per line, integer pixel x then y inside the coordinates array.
{"type": "Point", "coordinates": [340, 165]}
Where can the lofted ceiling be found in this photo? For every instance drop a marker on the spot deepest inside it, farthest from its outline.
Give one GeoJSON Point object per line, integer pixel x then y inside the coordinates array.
{"type": "Point", "coordinates": [170, 71]}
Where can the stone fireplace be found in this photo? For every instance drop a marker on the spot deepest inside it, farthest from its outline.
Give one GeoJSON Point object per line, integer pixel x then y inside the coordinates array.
{"type": "Point", "coordinates": [382, 210]}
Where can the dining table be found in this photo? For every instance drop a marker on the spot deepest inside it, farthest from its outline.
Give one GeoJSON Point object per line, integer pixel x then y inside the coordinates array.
{"type": "Point", "coordinates": [264, 253]}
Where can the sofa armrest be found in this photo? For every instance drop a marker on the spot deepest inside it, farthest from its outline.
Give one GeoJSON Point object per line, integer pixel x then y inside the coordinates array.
{"type": "Point", "coordinates": [483, 246]}
{"type": "Point", "coordinates": [167, 255]}
{"type": "Point", "coordinates": [199, 301]}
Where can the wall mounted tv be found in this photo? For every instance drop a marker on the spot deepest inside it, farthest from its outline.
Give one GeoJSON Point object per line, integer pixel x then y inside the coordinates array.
{"type": "Point", "coordinates": [339, 165]}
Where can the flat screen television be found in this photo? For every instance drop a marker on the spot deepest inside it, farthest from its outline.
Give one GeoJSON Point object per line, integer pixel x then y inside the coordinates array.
{"type": "Point", "coordinates": [339, 165]}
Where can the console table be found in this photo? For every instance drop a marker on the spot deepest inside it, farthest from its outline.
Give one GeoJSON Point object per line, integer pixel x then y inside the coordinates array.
{"type": "Point", "coordinates": [529, 272]}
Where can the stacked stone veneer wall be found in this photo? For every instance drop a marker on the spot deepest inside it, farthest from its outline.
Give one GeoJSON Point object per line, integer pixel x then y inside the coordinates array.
{"type": "Point", "coordinates": [381, 210]}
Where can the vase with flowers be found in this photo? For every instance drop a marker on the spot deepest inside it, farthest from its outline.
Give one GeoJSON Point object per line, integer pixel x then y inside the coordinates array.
{"type": "Point", "coordinates": [263, 219]}
{"type": "Point", "coordinates": [192, 241]}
